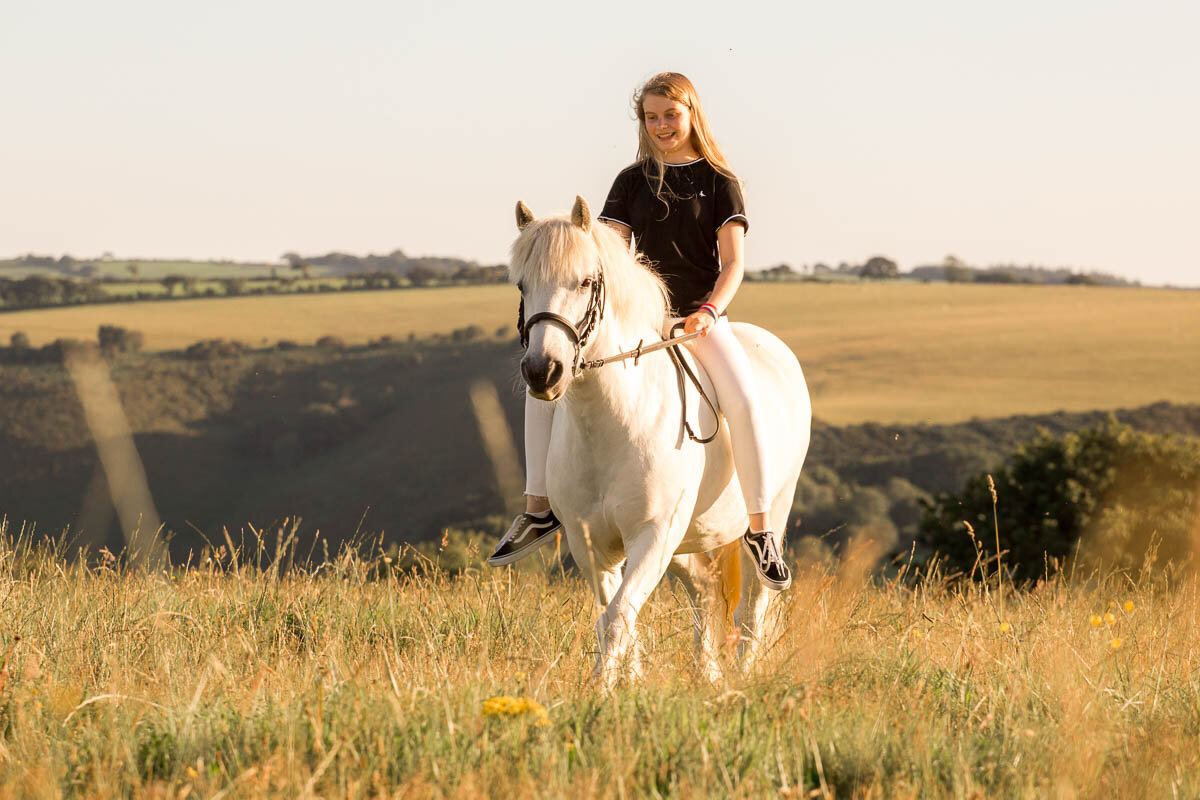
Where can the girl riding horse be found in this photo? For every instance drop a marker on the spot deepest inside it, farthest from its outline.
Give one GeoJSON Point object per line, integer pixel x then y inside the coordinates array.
{"type": "Point", "coordinates": [682, 206]}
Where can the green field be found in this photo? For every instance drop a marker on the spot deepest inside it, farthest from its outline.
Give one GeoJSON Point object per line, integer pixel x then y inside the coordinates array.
{"type": "Point", "coordinates": [359, 681]}
{"type": "Point", "coordinates": [900, 352]}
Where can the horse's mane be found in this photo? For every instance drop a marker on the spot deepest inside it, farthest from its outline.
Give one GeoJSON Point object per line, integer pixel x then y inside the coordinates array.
{"type": "Point", "coordinates": [555, 250]}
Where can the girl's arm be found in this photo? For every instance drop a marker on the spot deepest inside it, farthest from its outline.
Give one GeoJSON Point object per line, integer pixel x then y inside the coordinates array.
{"type": "Point", "coordinates": [730, 243]}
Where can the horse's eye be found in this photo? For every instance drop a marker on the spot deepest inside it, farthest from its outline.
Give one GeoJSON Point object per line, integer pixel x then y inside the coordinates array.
{"type": "Point", "coordinates": [521, 287]}
{"type": "Point", "coordinates": [586, 283]}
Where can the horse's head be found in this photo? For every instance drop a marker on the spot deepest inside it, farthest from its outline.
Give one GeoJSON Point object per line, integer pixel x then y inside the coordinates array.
{"type": "Point", "coordinates": [557, 265]}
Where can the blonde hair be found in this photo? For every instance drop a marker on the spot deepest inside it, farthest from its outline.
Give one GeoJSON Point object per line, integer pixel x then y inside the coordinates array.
{"type": "Point", "coordinates": [676, 87]}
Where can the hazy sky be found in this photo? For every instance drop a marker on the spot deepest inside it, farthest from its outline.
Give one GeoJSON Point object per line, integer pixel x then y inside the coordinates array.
{"type": "Point", "coordinates": [1055, 132]}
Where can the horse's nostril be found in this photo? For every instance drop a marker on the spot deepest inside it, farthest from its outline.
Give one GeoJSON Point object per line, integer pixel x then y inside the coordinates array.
{"type": "Point", "coordinates": [541, 373]}
{"type": "Point", "coordinates": [553, 372]}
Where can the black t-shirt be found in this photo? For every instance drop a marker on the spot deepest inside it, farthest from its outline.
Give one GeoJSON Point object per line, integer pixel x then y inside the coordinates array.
{"type": "Point", "coordinates": [680, 236]}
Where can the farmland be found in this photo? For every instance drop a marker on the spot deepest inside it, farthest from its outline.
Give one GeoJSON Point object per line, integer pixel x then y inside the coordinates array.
{"type": "Point", "coordinates": [902, 353]}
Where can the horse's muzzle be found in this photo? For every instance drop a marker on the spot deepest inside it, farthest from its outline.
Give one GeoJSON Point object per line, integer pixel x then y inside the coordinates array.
{"type": "Point", "coordinates": [544, 376]}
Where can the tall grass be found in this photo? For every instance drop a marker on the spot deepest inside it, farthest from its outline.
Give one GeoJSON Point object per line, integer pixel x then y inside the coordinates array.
{"type": "Point", "coordinates": [231, 678]}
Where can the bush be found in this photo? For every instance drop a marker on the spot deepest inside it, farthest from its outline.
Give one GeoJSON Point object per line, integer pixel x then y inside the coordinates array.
{"type": "Point", "coordinates": [214, 348]}
{"type": "Point", "coordinates": [19, 341]}
{"type": "Point", "coordinates": [1103, 497]}
{"type": "Point", "coordinates": [115, 339]}
{"type": "Point", "coordinates": [331, 343]}
{"type": "Point", "coordinates": [467, 334]}
{"type": "Point", "coordinates": [58, 350]}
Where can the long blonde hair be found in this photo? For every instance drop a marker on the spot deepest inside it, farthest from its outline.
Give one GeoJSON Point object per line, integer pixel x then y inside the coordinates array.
{"type": "Point", "coordinates": [676, 87]}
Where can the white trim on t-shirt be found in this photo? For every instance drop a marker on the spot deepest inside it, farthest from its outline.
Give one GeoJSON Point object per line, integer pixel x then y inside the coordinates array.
{"type": "Point", "coordinates": [614, 219]}
{"type": "Point", "coordinates": [742, 217]}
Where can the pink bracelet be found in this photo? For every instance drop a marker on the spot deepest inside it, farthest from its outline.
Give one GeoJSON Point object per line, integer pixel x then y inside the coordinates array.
{"type": "Point", "coordinates": [710, 308]}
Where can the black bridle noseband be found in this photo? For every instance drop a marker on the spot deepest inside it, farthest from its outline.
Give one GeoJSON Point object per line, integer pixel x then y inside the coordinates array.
{"type": "Point", "coordinates": [580, 332]}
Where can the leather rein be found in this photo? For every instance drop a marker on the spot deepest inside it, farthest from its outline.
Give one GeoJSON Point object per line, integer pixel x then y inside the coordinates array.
{"type": "Point", "coordinates": [580, 332]}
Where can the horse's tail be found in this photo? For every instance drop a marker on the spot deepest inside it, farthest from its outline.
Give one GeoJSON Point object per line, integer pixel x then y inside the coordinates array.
{"type": "Point", "coordinates": [729, 577]}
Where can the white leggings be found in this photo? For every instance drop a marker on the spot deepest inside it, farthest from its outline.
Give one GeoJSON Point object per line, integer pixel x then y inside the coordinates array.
{"type": "Point", "coordinates": [722, 356]}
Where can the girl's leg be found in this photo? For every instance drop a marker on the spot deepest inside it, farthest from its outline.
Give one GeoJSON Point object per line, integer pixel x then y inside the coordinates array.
{"type": "Point", "coordinates": [539, 415]}
{"type": "Point", "coordinates": [537, 525]}
{"type": "Point", "coordinates": [722, 356]}
{"type": "Point", "coordinates": [727, 365]}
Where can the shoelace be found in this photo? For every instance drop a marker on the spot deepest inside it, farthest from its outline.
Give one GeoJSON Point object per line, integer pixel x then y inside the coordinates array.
{"type": "Point", "coordinates": [770, 552]}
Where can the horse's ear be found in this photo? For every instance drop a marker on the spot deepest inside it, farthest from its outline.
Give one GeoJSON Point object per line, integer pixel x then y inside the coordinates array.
{"type": "Point", "coordinates": [581, 215]}
{"type": "Point", "coordinates": [524, 215]}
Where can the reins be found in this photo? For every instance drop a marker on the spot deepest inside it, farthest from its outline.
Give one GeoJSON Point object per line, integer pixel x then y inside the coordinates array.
{"type": "Point", "coordinates": [580, 332]}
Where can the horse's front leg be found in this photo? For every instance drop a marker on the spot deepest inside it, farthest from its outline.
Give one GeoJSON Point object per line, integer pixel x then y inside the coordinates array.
{"type": "Point", "coordinates": [648, 556]}
{"type": "Point", "coordinates": [698, 572]}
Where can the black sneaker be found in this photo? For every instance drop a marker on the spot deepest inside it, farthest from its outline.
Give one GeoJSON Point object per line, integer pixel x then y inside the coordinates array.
{"type": "Point", "coordinates": [767, 561]}
{"type": "Point", "coordinates": [526, 534]}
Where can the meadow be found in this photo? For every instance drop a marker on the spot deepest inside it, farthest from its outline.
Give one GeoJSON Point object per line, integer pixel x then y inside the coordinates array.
{"type": "Point", "coordinates": [357, 680]}
{"type": "Point", "coordinates": [885, 352]}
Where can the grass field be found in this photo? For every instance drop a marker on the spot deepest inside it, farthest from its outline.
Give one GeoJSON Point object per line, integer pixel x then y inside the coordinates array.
{"type": "Point", "coordinates": [872, 352]}
{"type": "Point", "coordinates": [358, 681]}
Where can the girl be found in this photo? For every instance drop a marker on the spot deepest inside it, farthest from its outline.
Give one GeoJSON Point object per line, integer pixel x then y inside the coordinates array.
{"type": "Point", "coordinates": [682, 205]}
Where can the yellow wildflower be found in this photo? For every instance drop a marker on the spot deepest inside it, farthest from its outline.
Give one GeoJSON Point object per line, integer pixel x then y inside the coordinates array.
{"type": "Point", "coordinates": [1096, 621]}
{"type": "Point", "coordinates": [1005, 627]}
{"type": "Point", "coordinates": [505, 706]}
{"type": "Point", "coordinates": [1128, 605]}
{"type": "Point", "coordinates": [1115, 644]}
{"type": "Point", "coordinates": [1110, 618]}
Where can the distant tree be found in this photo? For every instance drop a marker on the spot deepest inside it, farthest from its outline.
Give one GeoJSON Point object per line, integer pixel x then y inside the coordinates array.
{"type": "Point", "coordinates": [297, 263]}
{"type": "Point", "coordinates": [422, 276]}
{"type": "Point", "coordinates": [779, 272]}
{"type": "Point", "coordinates": [19, 341]}
{"type": "Point", "coordinates": [958, 274]}
{"type": "Point", "coordinates": [134, 270]}
{"type": "Point", "coordinates": [233, 286]}
{"type": "Point", "coordinates": [170, 283]}
{"type": "Point", "coordinates": [879, 267]}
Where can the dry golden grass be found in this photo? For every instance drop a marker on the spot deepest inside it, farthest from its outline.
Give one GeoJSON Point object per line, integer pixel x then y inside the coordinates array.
{"type": "Point", "coordinates": [873, 352]}
{"type": "Point", "coordinates": [358, 681]}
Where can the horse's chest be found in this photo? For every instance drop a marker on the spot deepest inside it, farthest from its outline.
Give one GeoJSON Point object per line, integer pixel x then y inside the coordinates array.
{"type": "Point", "coordinates": [589, 468]}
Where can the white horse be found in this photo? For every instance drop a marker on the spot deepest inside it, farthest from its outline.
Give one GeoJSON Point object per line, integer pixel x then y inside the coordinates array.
{"type": "Point", "coordinates": [628, 484]}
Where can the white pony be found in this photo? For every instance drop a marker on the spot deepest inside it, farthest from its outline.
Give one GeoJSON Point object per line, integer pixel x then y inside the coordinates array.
{"type": "Point", "coordinates": [628, 484]}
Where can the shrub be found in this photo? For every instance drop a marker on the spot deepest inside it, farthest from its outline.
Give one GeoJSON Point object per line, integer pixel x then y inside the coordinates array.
{"type": "Point", "coordinates": [19, 341]}
{"type": "Point", "coordinates": [59, 349]}
{"type": "Point", "coordinates": [331, 343]}
{"type": "Point", "coordinates": [214, 348]}
{"type": "Point", "coordinates": [1104, 497]}
{"type": "Point", "coordinates": [115, 339]}
{"type": "Point", "coordinates": [467, 334]}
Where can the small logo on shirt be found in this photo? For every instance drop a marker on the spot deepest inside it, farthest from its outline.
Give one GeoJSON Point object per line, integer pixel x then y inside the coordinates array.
{"type": "Point", "coordinates": [702, 193]}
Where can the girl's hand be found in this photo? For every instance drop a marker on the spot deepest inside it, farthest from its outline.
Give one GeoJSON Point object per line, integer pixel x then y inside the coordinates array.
{"type": "Point", "coordinates": [698, 321]}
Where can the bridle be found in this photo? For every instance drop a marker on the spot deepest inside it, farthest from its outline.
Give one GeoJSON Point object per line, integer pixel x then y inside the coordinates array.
{"type": "Point", "coordinates": [581, 331]}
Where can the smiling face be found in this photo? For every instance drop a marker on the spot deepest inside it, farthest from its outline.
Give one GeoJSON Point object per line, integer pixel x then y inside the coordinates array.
{"type": "Point", "coordinates": [669, 126]}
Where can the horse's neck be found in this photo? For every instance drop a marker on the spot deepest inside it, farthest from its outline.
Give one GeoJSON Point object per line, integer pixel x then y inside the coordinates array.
{"type": "Point", "coordinates": [623, 391]}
